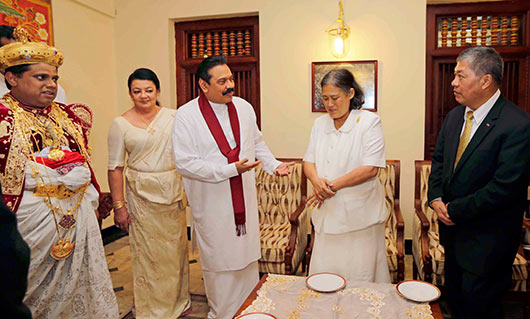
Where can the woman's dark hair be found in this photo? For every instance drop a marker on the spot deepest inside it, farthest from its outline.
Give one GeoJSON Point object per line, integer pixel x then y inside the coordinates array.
{"type": "Point", "coordinates": [144, 74]}
{"type": "Point", "coordinates": [344, 80]}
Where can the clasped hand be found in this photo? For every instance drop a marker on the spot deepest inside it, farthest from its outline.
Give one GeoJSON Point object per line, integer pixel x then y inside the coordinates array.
{"type": "Point", "coordinates": [322, 190]}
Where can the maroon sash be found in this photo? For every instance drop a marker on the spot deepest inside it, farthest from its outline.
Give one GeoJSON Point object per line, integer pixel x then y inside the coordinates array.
{"type": "Point", "coordinates": [236, 182]}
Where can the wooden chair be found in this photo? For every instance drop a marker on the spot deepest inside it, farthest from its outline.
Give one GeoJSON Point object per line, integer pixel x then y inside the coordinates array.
{"type": "Point", "coordinates": [428, 254]}
{"type": "Point", "coordinates": [394, 224]}
{"type": "Point", "coordinates": [283, 219]}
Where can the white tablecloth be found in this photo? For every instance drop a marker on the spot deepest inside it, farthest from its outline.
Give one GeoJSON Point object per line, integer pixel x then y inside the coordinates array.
{"type": "Point", "coordinates": [287, 297]}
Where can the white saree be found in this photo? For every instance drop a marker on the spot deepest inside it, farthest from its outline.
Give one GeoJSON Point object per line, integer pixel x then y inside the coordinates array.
{"type": "Point", "coordinates": [156, 204]}
{"type": "Point", "coordinates": [79, 286]}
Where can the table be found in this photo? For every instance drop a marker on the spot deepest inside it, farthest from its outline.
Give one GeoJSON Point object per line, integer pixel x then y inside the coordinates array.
{"type": "Point", "coordinates": [435, 307]}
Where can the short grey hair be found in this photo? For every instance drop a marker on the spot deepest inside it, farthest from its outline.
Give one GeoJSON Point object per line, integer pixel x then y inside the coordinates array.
{"type": "Point", "coordinates": [484, 60]}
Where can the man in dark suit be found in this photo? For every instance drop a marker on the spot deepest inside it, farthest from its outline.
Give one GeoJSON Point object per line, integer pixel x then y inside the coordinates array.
{"type": "Point", "coordinates": [478, 185]}
{"type": "Point", "coordinates": [14, 264]}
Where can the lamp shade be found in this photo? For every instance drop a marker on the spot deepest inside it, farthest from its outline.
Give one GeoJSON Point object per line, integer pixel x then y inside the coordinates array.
{"type": "Point", "coordinates": [339, 43]}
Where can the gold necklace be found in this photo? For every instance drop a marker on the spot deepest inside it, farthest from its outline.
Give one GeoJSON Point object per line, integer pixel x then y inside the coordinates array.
{"type": "Point", "coordinates": [55, 126]}
{"type": "Point", "coordinates": [49, 129]}
{"type": "Point", "coordinates": [149, 129]}
{"type": "Point", "coordinates": [51, 137]}
{"type": "Point", "coordinates": [64, 247]}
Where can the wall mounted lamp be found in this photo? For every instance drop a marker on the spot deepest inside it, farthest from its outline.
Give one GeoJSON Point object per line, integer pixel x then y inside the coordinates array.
{"type": "Point", "coordinates": [338, 35]}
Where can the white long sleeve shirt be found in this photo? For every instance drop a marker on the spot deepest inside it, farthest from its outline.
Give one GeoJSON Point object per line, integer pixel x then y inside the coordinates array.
{"type": "Point", "coordinates": [206, 173]}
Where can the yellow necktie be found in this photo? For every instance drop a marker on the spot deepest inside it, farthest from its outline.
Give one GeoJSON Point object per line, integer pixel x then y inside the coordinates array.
{"type": "Point", "coordinates": [464, 139]}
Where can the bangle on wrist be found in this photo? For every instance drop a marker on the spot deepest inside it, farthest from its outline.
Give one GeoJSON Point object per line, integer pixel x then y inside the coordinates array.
{"type": "Point", "coordinates": [119, 204]}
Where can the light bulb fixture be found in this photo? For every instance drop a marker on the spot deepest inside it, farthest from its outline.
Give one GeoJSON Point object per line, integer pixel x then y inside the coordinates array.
{"type": "Point", "coordinates": [338, 35]}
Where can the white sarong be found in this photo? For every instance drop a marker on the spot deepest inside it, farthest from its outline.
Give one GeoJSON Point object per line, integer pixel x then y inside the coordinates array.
{"type": "Point", "coordinates": [227, 290]}
{"type": "Point", "coordinates": [80, 285]}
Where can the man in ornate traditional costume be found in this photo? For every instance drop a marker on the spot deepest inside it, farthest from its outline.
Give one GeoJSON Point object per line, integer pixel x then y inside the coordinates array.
{"type": "Point", "coordinates": [47, 181]}
{"type": "Point", "coordinates": [216, 142]}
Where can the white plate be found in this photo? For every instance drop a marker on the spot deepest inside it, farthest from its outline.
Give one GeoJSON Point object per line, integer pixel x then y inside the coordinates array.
{"type": "Point", "coordinates": [256, 315]}
{"type": "Point", "coordinates": [325, 282]}
{"type": "Point", "coordinates": [419, 291]}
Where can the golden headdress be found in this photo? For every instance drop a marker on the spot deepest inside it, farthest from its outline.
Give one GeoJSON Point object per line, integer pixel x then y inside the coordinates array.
{"type": "Point", "coordinates": [25, 52]}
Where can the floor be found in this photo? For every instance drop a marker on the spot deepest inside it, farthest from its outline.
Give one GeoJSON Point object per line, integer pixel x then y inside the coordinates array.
{"type": "Point", "coordinates": [119, 262]}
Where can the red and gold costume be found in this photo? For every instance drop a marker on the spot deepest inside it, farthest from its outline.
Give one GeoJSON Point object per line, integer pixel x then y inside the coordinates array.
{"type": "Point", "coordinates": [13, 154]}
{"type": "Point", "coordinates": [47, 180]}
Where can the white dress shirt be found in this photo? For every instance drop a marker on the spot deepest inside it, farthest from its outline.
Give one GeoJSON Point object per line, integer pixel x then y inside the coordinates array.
{"type": "Point", "coordinates": [205, 173]}
{"type": "Point", "coordinates": [480, 113]}
{"type": "Point", "coordinates": [359, 142]}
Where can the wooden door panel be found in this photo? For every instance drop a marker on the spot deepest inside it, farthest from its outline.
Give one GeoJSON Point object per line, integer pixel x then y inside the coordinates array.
{"type": "Point", "coordinates": [451, 28]}
{"type": "Point", "coordinates": [235, 38]}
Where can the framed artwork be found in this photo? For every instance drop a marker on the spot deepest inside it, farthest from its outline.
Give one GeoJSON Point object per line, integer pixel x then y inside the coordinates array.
{"type": "Point", "coordinates": [33, 15]}
{"type": "Point", "coordinates": [365, 73]}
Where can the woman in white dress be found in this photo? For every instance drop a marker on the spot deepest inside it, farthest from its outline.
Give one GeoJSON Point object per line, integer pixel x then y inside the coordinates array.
{"type": "Point", "coordinates": [140, 148]}
{"type": "Point", "coordinates": [345, 151]}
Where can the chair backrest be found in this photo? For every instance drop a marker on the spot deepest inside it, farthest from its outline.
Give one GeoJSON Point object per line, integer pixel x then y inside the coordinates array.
{"type": "Point", "coordinates": [278, 197]}
{"type": "Point", "coordinates": [389, 178]}
{"type": "Point", "coordinates": [421, 202]}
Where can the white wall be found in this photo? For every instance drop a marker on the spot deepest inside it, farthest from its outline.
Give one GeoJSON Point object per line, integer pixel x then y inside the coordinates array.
{"type": "Point", "coordinates": [84, 31]}
{"type": "Point", "coordinates": [456, 1]}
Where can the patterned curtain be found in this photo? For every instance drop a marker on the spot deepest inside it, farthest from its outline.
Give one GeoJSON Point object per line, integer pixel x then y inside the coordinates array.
{"type": "Point", "coordinates": [33, 15]}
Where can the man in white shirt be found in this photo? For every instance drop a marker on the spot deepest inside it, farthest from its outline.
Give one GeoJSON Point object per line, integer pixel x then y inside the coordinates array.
{"type": "Point", "coordinates": [6, 37]}
{"type": "Point", "coordinates": [215, 144]}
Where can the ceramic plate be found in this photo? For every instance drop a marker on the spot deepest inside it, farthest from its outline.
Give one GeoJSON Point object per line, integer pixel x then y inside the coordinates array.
{"type": "Point", "coordinates": [256, 315]}
{"type": "Point", "coordinates": [419, 291]}
{"type": "Point", "coordinates": [325, 282]}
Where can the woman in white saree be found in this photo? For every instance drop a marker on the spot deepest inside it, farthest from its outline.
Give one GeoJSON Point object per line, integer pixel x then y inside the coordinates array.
{"type": "Point", "coordinates": [140, 148]}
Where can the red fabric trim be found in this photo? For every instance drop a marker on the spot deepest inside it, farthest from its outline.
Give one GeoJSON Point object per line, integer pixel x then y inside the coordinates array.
{"type": "Point", "coordinates": [232, 155]}
{"type": "Point", "coordinates": [69, 157]}
{"type": "Point", "coordinates": [6, 114]}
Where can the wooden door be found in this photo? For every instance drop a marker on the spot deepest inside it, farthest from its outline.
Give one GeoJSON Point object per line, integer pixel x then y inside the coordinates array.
{"type": "Point", "coordinates": [451, 28]}
{"type": "Point", "coordinates": [235, 38]}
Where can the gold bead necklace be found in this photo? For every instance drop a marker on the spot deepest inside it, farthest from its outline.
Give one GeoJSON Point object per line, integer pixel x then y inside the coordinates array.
{"type": "Point", "coordinates": [51, 136]}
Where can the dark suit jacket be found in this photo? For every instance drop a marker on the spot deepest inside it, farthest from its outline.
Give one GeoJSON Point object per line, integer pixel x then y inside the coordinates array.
{"type": "Point", "coordinates": [14, 265]}
{"type": "Point", "coordinates": [487, 190]}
